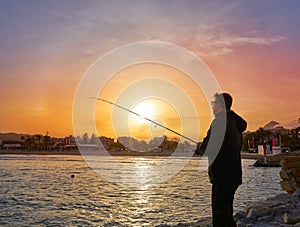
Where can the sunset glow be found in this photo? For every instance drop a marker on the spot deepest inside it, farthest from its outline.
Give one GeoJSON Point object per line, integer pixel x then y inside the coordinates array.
{"type": "Point", "coordinates": [251, 47]}
{"type": "Point", "coordinates": [145, 110]}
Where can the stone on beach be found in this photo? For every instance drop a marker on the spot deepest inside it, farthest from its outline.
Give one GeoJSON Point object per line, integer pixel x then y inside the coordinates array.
{"type": "Point", "coordinates": [291, 218]}
{"type": "Point", "coordinates": [280, 210]}
{"type": "Point", "coordinates": [290, 174]}
{"type": "Point", "coordinates": [275, 211]}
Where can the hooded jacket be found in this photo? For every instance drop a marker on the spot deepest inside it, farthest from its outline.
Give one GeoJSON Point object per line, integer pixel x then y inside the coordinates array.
{"type": "Point", "coordinates": [223, 145]}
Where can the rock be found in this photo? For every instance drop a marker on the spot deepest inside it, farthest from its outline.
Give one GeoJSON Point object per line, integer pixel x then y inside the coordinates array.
{"type": "Point", "coordinates": [297, 193]}
{"type": "Point", "coordinates": [266, 219]}
{"type": "Point", "coordinates": [253, 213]}
{"type": "Point", "coordinates": [280, 210]}
{"type": "Point", "coordinates": [284, 174]}
{"type": "Point", "coordinates": [285, 185]}
{"type": "Point", "coordinates": [259, 225]}
{"type": "Point", "coordinates": [296, 172]}
{"type": "Point", "coordinates": [240, 215]}
{"type": "Point", "coordinates": [270, 212]}
{"type": "Point", "coordinates": [290, 173]}
{"type": "Point", "coordinates": [291, 218]}
{"type": "Point", "coordinates": [297, 179]}
{"type": "Point", "coordinates": [240, 224]}
{"type": "Point", "coordinates": [291, 161]}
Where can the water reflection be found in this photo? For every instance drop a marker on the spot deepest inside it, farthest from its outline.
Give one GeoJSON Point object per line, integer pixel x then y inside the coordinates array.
{"type": "Point", "coordinates": [142, 172]}
{"type": "Point", "coordinates": [39, 191]}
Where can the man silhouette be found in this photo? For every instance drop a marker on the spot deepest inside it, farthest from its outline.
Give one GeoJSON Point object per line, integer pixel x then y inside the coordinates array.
{"type": "Point", "coordinates": [225, 169]}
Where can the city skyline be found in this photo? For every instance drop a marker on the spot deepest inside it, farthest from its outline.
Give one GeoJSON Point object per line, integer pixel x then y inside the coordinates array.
{"type": "Point", "coordinates": [252, 49]}
{"type": "Point", "coordinates": [271, 125]}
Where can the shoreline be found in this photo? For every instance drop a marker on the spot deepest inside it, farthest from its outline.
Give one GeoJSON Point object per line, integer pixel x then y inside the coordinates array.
{"type": "Point", "coordinates": [77, 152]}
{"type": "Point", "coordinates": [116, 153]}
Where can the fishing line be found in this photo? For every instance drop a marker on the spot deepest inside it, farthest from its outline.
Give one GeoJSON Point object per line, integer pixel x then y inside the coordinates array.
{"type": "Point", "coordinates": [139, 115]}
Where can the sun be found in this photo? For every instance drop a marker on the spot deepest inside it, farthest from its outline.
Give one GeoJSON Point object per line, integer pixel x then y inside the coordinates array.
{"type": "Point", "coordinates": [160, 113]}
{"type": "Point", "coordinates": [144, 109]}
{"type": "Point", "coordinates": [141, 124]}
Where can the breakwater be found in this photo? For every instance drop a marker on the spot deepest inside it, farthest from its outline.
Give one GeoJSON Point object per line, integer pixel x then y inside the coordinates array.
{"type": "Point", "coordinates": [290, 174]}
{"type": "Point", "coordinates": [282, 209]}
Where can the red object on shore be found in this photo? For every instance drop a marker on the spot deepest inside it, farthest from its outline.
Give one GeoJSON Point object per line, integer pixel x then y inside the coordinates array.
{"type": "Point", "coordinates": [273, 141]}
{"type": "Point", "coordinates": [265, 149]}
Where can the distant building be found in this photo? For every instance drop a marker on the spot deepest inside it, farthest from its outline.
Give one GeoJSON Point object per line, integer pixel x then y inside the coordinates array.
{"type": "Point", "coordinates": [106, 142]}
{"type": "Point", "coordinates": [128, 142]}
{"type": "Point", "coordinates": [12, 146]}
{"type": "Point", "coordinates": [69, 143]}
{"type": "Point", "coordinates": [157, 141]}
{"type": "Point", "coordinates": [70, 140]}
{"type": "Point", "coordinates": [246, 133]}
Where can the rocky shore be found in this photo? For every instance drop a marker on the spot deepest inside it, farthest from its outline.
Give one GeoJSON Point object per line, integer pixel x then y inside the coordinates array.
{"type": "Point", "coordinates": [280, 210]}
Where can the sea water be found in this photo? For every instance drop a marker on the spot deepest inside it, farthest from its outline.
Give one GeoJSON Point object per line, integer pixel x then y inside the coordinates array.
{"type": "Point", "coordinates": [40, 191]}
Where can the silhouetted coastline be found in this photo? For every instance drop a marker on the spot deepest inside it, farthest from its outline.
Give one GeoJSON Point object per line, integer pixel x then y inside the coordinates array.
{"type": "Point", "coordinates": [77, 152]}
{"type": "Point", "coordinates": [115, 153]}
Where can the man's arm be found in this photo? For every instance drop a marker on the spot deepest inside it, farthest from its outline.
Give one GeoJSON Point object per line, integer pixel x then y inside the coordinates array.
{"type": "Point", "coordinates": [201, 147]}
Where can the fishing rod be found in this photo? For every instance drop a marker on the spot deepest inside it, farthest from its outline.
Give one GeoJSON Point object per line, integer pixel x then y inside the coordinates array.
{"type": "Point", "coordinates": [139, 115]}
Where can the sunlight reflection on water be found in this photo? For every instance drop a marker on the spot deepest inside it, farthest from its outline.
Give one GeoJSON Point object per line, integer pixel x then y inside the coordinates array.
{"type": "Point", "coordinates": [39, 190]}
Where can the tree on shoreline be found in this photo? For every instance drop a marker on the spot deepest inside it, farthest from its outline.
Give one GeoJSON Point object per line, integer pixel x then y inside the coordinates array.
{"type": "Point", "coordinates": [284, 137]}
{"type": "Point", "coordinates": [85, 138]}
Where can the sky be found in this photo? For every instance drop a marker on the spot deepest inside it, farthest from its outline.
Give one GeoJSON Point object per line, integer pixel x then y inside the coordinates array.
{"type": "Point", "coordinates": [251, 47]}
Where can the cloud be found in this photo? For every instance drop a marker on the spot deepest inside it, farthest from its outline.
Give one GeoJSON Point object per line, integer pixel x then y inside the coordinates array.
{"type": "Point", "coordinates": [231, 41]}
{"type": "Point", "coordinates": [211, 40]}
{"type": "Point", "coordinates": [210, 45]}
{"type": "Point", "coordinates": [88, 52]}
{"type": "Point", "coordinates": [214, 45]}
{"type": "Point", "coordinates": [94, 28]}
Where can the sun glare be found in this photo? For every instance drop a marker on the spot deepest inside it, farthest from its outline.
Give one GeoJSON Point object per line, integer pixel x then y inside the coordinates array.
{"type": "Point", "coordinates": [160, 112]}
{"type": "Point", "coordinates": [146, 110]}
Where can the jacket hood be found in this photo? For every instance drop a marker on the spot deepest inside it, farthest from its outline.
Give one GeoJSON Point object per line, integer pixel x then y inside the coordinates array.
{"type": "Point", "coordinates": [239, 121]}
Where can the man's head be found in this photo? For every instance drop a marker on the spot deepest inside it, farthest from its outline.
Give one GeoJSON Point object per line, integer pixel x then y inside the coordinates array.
{"type": "Point", "coordinates": [222, 102]}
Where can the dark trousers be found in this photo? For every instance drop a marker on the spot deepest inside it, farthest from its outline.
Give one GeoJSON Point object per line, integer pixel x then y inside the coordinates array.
{"type": "Point", "coordinates": [222, 205]}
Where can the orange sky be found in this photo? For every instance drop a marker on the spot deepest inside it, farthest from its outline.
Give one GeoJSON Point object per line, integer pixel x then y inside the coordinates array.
{"type": "Point", "coordinates": [147, 84]}
{"type": "Point", "coordinates": [252, 53]}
